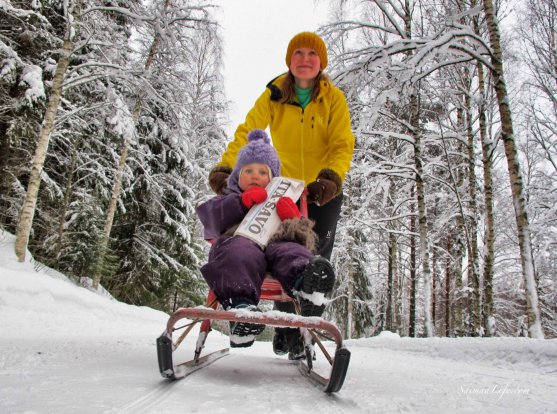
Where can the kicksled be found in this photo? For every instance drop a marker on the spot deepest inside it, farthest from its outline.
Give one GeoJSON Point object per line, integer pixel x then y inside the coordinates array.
{"type": "Point", "coordinates": [312, 329]}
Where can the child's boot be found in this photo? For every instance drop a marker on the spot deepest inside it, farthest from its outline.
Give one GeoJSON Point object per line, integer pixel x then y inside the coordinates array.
{"type": "Point", "coordinates": [242, 334]}
{"type": "Point", "coordinates": [316, 280]}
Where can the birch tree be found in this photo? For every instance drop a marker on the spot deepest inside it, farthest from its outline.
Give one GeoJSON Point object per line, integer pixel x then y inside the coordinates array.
{"type": "Point", "coordinates": [29, 69]}
{"type": "Point", "coordinates": [27, 34]}
{"type": "Point", "coordinates": [489, 237]}
{"type": "Point", "coordinates": [28, 208]}
{"type": "Point", "coordinates": [78, 176]}
{"type": "Point", "coordinates": [515, 175]}
{"type": "Point", "coordinates": [538, 35]}
{"type": "Point", "coordinates": [420, 190]}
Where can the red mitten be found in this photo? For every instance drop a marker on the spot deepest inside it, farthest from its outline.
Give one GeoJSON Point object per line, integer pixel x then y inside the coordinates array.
{"type": "Point", "coordinates": [287, 209]}
{"type": "Point", "coordinates": [253, 195]}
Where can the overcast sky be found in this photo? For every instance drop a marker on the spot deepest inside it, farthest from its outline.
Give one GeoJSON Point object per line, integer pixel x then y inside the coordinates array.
{"type": "Point", "coordinates": [256, 34]}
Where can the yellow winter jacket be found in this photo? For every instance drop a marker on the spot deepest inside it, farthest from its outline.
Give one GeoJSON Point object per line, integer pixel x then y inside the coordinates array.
{"type": "Point", "coordinates": [307, 140]}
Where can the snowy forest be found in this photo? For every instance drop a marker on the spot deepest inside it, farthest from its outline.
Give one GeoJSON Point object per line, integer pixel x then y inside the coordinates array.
{"type": "Point", "coordinates": [112, 113]}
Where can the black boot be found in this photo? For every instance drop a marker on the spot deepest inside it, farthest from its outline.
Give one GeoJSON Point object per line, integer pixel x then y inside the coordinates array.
{"type": "Point", "coordinates": [242, 334]}
{"type": "Point", "coordinates": [280, 342]}
{"type": "Point", "coordinates": [296, 346]}
{"type": "Point", "coordinates": [286, 338]}
{"type": "Point", "coordinates": [317, 277]}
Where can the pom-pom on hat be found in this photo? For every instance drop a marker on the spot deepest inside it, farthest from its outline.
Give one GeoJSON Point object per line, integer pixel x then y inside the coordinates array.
{"type": "Point", "coordinates": [257, 150]}
{"type": "Point", "coordinates": [311, 40]}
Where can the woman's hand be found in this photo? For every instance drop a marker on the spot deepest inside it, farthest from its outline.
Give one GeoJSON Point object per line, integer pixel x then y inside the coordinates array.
{"type": "Point", "coordinates": [218, 179]}
{"type": "Point", "coordinates": [326, 187]}
{"type": "Point", "coordinates": [321, 191]}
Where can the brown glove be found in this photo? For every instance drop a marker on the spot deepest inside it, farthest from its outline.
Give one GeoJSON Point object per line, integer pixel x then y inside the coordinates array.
{"type": "Point", "coordinates": [327, 186]}
{"type": "Point", "coordinates": [218, 178]}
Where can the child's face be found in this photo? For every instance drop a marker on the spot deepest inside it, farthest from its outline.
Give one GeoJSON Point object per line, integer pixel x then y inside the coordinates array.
{"type": "Point", "coordinates": [254, 174]}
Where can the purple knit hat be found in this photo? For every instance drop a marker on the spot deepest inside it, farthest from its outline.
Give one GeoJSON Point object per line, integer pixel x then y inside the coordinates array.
{"type": "Point", "coordinates": [258, 150]}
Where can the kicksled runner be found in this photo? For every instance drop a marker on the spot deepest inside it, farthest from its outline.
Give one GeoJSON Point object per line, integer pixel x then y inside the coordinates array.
{"type": "Point", "coordinates": [312, 329]}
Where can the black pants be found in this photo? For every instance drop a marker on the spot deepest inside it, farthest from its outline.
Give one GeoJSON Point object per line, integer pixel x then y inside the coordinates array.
{"type": "Point", "coordinates": [326, 218]}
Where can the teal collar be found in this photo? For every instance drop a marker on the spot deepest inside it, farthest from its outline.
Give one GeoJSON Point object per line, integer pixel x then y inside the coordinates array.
{"type": "Point", "coordinates": [303, 95]}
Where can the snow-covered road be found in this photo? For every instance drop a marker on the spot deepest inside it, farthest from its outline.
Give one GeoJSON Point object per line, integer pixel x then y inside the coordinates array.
{"type": "Point", "coordinates": [387, 374]}
{"type": "Point", "coordinates": [64, 349]}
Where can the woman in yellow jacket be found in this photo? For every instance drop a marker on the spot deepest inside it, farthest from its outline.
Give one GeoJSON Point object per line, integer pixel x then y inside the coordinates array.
{"type": "Point", "coordinates": [310, 127]}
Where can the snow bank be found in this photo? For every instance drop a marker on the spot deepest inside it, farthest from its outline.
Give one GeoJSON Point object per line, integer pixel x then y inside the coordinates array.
{"type": "Point", "coordinates": [45, 303]}
{"type": "Point", "coordinates": [523, 354]}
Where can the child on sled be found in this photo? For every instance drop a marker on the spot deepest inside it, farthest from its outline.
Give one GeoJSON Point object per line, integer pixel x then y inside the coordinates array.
{"type": "Point", "coordinates": [237, 266]}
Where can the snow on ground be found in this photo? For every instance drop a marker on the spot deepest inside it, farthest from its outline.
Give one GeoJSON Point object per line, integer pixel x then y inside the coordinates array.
{"type": "Point", "coordinates": [65, 349]}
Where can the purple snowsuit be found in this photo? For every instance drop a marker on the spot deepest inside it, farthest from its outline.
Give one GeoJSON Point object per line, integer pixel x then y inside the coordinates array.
{"type": "Point", "coordinates": [237, 266]}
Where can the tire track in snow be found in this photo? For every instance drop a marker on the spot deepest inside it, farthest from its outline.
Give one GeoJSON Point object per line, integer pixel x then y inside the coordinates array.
{"type": "Point", "coordinates": [145, 403]}
{"type": "Point", "coordinates": [295, 382]}
{"type": "Point", "coordinates": [335, 404]}
{"type": "Point", "coordinates": [245, 374]}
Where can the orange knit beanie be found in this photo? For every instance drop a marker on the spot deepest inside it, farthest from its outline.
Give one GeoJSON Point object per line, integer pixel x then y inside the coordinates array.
{"type": "Point", "coordinates": [310, 40]}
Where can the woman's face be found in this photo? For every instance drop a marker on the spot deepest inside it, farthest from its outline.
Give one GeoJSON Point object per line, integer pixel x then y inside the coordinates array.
{"type": "Point", "coordinates": [305, 65]}
{"type": "Point", "coordinates": [252, 175]}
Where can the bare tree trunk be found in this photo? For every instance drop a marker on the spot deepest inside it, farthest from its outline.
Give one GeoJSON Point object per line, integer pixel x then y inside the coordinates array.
{"type": "Point", "coordinates": [350, 310]}
{"type": "Point", "coordinates": [350, 276]}
{"type": "Point", "coordinates": [103, 243]}
{"type": "Point", "coordinates": [389, 324]}
{"type": "Point", "coordinates": [399, 287]}
{"type": "Point", "coordinates": [5, 155]}
{"type": "Point", "coordinates": [30, 202]}
{"type": "Point", "coordinates": [393, 282]}
{"type": "Point", "coordinates": [515, 176]}
{"type": "Point", "coordinates": [412, 323]}
{"type": "Point", "coordinates": [65, 204]}
{"type": "Point", "coordinates": [434, 288]}
{"type": "Point", "coordinates": [448, 289]}
{"type": "Point", "coordinates": [392, 292]}
{"type": "Point", "coordinates": [422, 222]}
{"type": "Point", "coordinates": [459, 295]}
{"type": "Point", "coordinates": [473, 270]}
{"type": "Point", "coordinates": [463, 232]}
{"type": "Point", "coordinates": [420, 190]}
{"type": "Point", "coordinates": [489, 258]}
